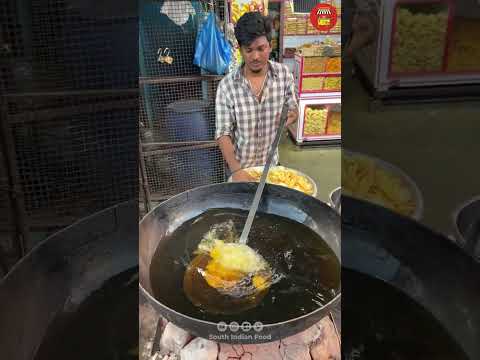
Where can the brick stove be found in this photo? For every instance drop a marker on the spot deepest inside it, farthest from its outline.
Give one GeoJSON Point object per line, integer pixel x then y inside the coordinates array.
{"type": "Point", "coordinates": [162, 340]}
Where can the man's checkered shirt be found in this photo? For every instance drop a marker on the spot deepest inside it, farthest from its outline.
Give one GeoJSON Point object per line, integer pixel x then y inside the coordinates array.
{"type": "Point", "coordinates": [252, 125]}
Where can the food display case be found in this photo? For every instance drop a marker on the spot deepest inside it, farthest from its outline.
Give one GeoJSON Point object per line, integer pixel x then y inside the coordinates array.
{"type": "Point", "coordinates": [317, 75]}
{"type": "Point", "coordinates": [314, 57]}
{"type": "Point", "coordinates": [297, 31]}
{"type": "Point", "coordinates": [423, 43]}
{"type": "Point", "coordinates": [319, 120]}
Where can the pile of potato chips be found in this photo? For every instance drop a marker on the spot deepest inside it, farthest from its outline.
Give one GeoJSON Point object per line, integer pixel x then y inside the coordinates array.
{"type": "Point", "coordinates": [285, 177]}
{"type": "Point", "coordinates": [420, 41]}
{"type": "Point", "coordinates": [315, 121]}
{"type": "Point", "coordinates": [365, 179]}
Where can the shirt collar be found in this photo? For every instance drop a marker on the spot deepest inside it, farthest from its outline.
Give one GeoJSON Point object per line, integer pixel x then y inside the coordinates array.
{"type": "Point", "coordinates": [238, 71]}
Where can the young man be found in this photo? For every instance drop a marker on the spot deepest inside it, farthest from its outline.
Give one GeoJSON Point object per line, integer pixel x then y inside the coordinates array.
{"type": "Point", "coordinates": [250, 99]}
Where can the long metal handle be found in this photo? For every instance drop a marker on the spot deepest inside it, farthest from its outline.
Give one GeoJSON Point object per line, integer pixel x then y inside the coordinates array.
{"type": "Point", "coordinates": [261, 185]}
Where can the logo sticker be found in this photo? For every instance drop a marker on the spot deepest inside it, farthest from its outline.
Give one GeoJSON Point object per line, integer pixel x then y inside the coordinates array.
{"type": "Point", "coordinates": [323, 17]}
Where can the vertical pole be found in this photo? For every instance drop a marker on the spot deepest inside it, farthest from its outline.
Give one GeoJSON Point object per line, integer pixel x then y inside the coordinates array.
{"type": "Point", "coordinates": [16, 195]}
{"type": "Point", "coordinates": [144, 179]}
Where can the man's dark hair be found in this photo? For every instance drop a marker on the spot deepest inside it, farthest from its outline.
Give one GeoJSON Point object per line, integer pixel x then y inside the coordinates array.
{"type": "Point", "coordinates": [251, 26]}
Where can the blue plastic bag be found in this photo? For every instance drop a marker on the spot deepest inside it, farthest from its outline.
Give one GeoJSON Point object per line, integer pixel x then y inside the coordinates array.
{"type": "Point", "coordinates": [212, 50]}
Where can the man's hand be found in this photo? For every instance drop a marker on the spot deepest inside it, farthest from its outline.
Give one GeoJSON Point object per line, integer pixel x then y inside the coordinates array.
{"type": "Point", "coordinates": [242, 176]}
{"type": "Point", "coordinates": [292, 116]}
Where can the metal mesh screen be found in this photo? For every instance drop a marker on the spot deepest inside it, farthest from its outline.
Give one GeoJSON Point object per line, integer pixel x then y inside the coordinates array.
{"type": "Point", "coordinates": [6, 220]}
{"type": "Point", "coordinates": [172, 171]}
{"type": "Point", "coordinates": [177, 102]}
{"type": "Point", "coordinates": [179, 124]}
{"type": "Point", "coordinates": [70, 72]}
{"type": "Point", "coordinates": [9, 245]}
{"type": "Point", "coordinates": [179, 110]}
{"type": "Point", "coordinates": [161, 34]}
{"type": "Point", "coordinates": [75, 153]}
{"type": "Point", "coordinates": [305, 6]}
{"type": "Point", "coordinates": [8, 249]}
{"type": "Point", "coordinates": [170, 28]}
{"type": "Point", "coordinates": [68, 44]}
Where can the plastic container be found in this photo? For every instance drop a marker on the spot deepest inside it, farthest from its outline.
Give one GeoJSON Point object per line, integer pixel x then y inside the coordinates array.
{"type": "Point", "coordinates": [187, 121]}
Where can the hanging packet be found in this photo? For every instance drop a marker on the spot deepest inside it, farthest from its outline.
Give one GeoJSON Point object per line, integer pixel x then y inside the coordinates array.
{"type": "Point", "coordinates": [212, 50]}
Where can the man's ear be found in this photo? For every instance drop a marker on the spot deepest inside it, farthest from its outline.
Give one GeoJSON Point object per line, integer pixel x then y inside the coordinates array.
{"type": "Point", "coordinates": [270, 45]}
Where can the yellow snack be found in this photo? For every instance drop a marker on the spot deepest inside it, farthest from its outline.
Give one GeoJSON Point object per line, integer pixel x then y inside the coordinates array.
{"type": "Point", "coordinates": [232, 262]}
{"type": "Point", "coordinates": [314, 64]}
{"type": "Point", "coordinates": [335, 123]}
{"type": "Point", "coordinates": [334, 65]}
{"type": "Point", "coordinates": [332, 83]}
{"type": "Point", "coordinates": [260, 282]}
{"type": "Point", "coordinates": [312, 84]}
{"type": "Point", "coordinates": [287, 178]}
{"type": "Point", "coordinates": [364, 179]}
{"type": "Point", "coordinates": [226, 277]}
{"type": "Point", "coordinates": [219, 277]}
{"type": "Point", "coordinates": [419, 41]}
{"type": "Point", "coordinates": [315, 121]}
{"type": "Point", "coordinates": [237, 257]}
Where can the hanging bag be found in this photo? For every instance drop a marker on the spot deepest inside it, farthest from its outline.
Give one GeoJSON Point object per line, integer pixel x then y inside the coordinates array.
{"type": "Point", "coordinates": [212, 50]}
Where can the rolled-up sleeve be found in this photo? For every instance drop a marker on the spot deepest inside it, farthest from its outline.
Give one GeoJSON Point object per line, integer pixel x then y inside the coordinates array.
{"type": "Point", "coordinates": [290, 94]}
{"type": "Point", "coordinates": [224, 112]}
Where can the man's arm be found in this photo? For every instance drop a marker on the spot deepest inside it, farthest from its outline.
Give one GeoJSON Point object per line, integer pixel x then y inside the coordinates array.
{"type": "Point", "coordinates": [224, 121]}
{"type": "Point", "coordinates": [291, 99]}
{"type": "Point", "coordinates": [228, 152]}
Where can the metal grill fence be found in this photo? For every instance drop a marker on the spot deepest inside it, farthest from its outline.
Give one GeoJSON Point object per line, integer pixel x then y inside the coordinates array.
{"type": "Point", "coordinates": [69, 85]}
{"type": "Point", "coordinates": [68, 44]}
{"type": "Point", "coordinates": [174, 170]}
{"type": "Point", "coordinates": [171, 28]}
{"type": "Point", "coordinates": [7, 220]}
{"type": "Point", "coordinates": [177, 130]}
{"type": "Point", "coordinates": [179, 110]}
{"type": "Point", "coordinates": [8, 248]}
{"type": "Point", "coordinates": [177, 101]}
{"type": "Point", "coordinates": [75, 153]}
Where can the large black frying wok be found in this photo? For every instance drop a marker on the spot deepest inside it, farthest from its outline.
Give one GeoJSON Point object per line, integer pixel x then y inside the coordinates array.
{"type": "Point", "coordinates": [425, 266]}
{"type": "Point", "coordinates": [277, 200]}
{"type": "Point", "coordinates": [61, 273]}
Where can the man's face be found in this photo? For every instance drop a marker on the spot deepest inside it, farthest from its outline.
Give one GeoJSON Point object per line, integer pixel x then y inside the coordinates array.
{"type": "Point", "coordinates": [256, 54]}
